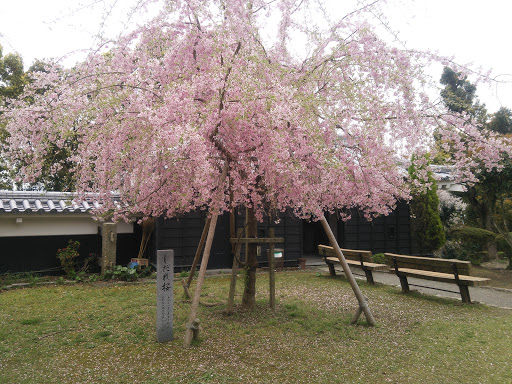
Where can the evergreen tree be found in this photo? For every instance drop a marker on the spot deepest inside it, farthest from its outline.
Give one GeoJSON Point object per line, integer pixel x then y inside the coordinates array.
{"type": "Point", "coordinates": [484, 196]}
{"type": "Point", "coordinates": [12, 82]}
{"type": "Point", "coordinates": [427, 228]}
{"type": "Point", "coordinates": [459, 95]}
{"type": "Point", "coordinates": [501, 121]}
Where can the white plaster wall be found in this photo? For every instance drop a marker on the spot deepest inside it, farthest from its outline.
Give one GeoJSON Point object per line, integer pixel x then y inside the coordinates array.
{"type": "Point", "coordinates": [450, 186]}
{"type": "Point", "coordinates": [39, 225]}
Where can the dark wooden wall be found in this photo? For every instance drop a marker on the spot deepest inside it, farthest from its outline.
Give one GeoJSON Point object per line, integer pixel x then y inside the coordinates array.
{"type": "Point", "coordinates": [39, 253]}
{"type": "Point", "coordinates": [183, 235]}
{"type": "Point", "coordinates": [383, 234]}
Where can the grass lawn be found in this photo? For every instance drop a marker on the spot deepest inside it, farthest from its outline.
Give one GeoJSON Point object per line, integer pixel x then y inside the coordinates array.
{"type": "Point", "coordinates": [105, 333]}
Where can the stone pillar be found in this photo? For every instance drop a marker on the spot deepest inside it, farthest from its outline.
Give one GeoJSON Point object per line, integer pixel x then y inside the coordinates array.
{"type": "Point", "coordinates": [108, 246]}
{"type": "Point", "coordinates": [164, 295]}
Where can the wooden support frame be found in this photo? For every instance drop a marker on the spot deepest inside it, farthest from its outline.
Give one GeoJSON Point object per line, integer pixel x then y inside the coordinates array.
{"type": "Point", "coordinates": [271, 271]}
{"type": "Point", "coordinates": [234, 273]}
{"type": "Point", "coordinates": [200, 247]}
{"type": "Point", "coordinates": [271, 241]}
{"type": "Point", "coordinates": [191, 328]}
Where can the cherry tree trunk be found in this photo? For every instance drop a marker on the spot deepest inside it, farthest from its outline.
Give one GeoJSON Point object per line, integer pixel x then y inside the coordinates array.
{"type": "Point", "coordinates": [249, 297]}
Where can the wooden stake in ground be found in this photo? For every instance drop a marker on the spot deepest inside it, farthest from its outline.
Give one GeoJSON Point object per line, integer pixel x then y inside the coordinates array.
{"type": "Point", "coordinates": [148, 226]}
{"type": "Point", "coordinates": [251, 260]}
{"type": "Point", "coordinates": [363, 305]}
{"type": "Point", "coordinates": [204, 262]}
{"type": "Point", "coordinates": [186, 285]}
{"type": "Point", "coordinates": [234, 272]}
{"type": "Point", "coordinates": [271, 241]}
{"type": "Point", "coordinates": [271, 271]}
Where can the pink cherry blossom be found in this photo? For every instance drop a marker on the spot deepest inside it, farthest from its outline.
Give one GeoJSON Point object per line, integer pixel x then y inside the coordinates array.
{"type": "Point", "coordinates": [156, 116]}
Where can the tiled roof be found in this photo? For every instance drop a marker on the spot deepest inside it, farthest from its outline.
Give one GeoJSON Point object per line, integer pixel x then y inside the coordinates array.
{"type": "Point", "coordinates": [443, 172]}
{"type": "Point", "coordinates": [42, 202]}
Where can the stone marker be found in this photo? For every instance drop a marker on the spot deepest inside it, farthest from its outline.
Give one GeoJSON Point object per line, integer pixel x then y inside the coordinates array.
{"type": "Point", "coordinates": [108, 246]}
{"type": "Point", "coordinates": [164, 295]}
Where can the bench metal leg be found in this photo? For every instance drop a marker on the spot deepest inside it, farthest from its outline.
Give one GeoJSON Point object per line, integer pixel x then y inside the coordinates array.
{"type": "Point", "coordinates": [404, 283]}
{"type": "Point", "coordinates": [369, 276]}
{"type": "Point", "coordinates": [332, 271]}
{"type": "Point", "coordinates": [464, 293]}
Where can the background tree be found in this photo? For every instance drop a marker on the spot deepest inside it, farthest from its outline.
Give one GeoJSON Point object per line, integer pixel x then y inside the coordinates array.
{"type": "Point", "coordinates": [13, 79]}
{"type": "Point", "coordinates": [452, 209]}
{"type": "Point", "coordinates": [501, 121]}
{"type": "Point", "coordinates": [12, 76]}
{"type": "Point", "coordinates": [56, 170]}
{"type": "Point", "coordinates": [469, 242]}
{"type": "Point", "coordinates": [459, 95]}
{"type": "Point", "coordinates": [493, 191]}
{"type": "Point", "coordinates": [486, 189]}
{"type": "Point", "coordinates": [426, 226]}
{"type": "Point", "coordinates": [487, 201]}
{"type": "Point", "coordinates": [12, 82]}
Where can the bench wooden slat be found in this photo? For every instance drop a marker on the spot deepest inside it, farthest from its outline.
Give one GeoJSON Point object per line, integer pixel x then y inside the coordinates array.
{"type": "Point", "coordinates": [428, 268]}
{"type": "Point", "coordinates": [352, 257]}
{"type": "Point", "coordinates": [350, 254]}
{"type": "Point", "coordinates": [371, 266]}
{"type": "Point", "coordinates": [444, 277]}
{"type": "Point", "coordinates": [429, 263]}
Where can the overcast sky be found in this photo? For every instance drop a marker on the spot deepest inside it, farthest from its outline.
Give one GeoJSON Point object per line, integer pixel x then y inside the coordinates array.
{"type": "Point", "coordinates": [472, 31]}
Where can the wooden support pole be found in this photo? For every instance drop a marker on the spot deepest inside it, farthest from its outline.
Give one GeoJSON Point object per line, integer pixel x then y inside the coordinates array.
{"type": "Point", "coordinates": [196, 327]}
{"type": "Point", "coordinates": [185, 289]}
{"type": "Point", "coordinates": [251, 261]}
{"type": "Point", "coordinates": [234, 273]}
{"type": "Point", "coordinates": [363, 305]}
{"type": "Point", "coordinates": [199, 250]}
{"type": "Point", "coordinates": [232, 218]}
{"type": "Point", "coordinates": [148, 226]}
{"type": "Point", "coordinates": [271, 271]}
{"type": "Point", "coordinates": [232, 229]}
{"type": "Point", "coordinates": [204, 262]}
{"type": "Point", "coordinates": [200, 280]}
{"type": "Point", "coordinates": [246, 248]}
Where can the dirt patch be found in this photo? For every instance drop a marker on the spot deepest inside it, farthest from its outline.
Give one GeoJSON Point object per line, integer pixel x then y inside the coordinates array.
{"type": "Point", "coordinates": [500, 277]}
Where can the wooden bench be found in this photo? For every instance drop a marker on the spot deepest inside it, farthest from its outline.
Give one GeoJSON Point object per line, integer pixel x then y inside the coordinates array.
{"type": "Point", "coordinates": [355, 258]}
{"type": "Point", "coordinates": [444, 270]}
